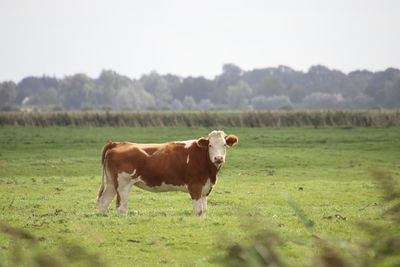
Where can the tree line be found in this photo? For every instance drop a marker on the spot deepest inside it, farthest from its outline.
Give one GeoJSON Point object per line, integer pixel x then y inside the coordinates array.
{"type": "Point", "coordinates": [259, 89]}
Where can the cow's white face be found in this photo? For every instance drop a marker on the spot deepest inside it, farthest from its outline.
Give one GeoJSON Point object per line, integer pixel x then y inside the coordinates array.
{"type": "Point", "coordinates": [216, 143]}
{"type": "Point", "coordinates": [217, 147]}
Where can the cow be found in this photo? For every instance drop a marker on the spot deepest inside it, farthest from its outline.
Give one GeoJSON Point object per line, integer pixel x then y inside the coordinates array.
{"type": "Point", "coordinates": [188, 166]}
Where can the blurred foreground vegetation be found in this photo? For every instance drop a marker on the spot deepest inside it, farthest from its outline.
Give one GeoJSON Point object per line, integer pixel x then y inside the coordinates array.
{"type": "Point", "coordinates": [379, 247]}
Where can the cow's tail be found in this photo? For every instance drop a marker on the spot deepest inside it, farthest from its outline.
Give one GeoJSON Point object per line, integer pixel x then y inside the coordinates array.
{"type": "Point", "coordinates": [104, 150]}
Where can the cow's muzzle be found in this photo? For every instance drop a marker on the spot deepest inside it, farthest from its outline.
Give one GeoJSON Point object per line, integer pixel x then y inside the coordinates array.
{"type": "Point", "coordinates": [218, 159]}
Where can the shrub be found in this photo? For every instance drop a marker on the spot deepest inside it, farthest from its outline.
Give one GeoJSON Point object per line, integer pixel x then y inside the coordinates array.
{"type": "Point", "coordinates": [337, 118]}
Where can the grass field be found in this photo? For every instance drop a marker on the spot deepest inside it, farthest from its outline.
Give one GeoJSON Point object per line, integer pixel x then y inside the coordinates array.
{"type": "Point", "coordinates": [49, 178]}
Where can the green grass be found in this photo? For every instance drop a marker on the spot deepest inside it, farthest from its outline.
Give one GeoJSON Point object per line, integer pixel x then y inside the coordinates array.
{"type": "Point", "coordinates": [49, 178]}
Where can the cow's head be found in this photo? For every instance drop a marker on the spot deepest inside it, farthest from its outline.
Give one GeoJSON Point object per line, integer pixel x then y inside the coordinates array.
{"type": "Point", "coordinates": [216, 144]}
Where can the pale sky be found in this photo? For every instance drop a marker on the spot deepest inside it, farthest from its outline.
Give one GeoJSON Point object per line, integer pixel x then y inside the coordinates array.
{"type": "Point", "coordinates": [185, 37]}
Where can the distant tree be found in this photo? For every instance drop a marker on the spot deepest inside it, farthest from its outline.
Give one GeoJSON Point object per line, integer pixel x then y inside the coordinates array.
{"type": "Point", "coordinates": [238, 95]}
{"type": "Point", "coordinates": [273, 102]}
{"type": "Point", "coordinates": [8, 92]}
{"type": "Point", "coordinates": [297, 93]}
{"type": "Point", "coordinates": [389, 95]}
{"type": "Point", "coordinates": [176, 104]}
{"type": "Point", "coordinates": [27, 87]}
{"type": "Point", "coordinates": [107, 86]}
{"type": "Point", "coordinates": [232, 70]}
{"type": "Point", "coordinates": [157, 86]}
{"type": "Point", "coordinates": [231, 75]}
{"type": "Point", "coordinates": [175, 84]}
{"type": "Point", "coordinates": [197, 87]}
{"type": "Point", "coordinates": [282, 80]}
{"type": "Point", "coordinates": [396, 93]}
{"type": "Point", "coordinates": [259, 102]}
{"type": "Point", "coordinates": [172, 79]}
{"type": "Point", "coordinates": [31, 90]}
{"type": "Point", "coordinates": [254, 78]}
{"type": "Point", "coordinates": [290, 77]}
{"type": "Point", "coordinates": [47, 96]}
{"type": "Point", "coordinates": [270, 85]}
{"type": "Point", "coordinates": [205, 104]}
{"type": "Point", "coordinates": [382, 87]}
{"type": "Point", "coordinates": [133, 97]}
{"type": "Point", "coordinates": [76, 90]}
{"type": "Point", "coordinates": [189, 103]}
{"type": "Point", "coordinates": [322, 79]}
{"type": "Point", "coordinates": [319, 87]}
{"type": "Point", "coordinates": [358, 82]}
{"type": "Point", "coordinates": [359, 101]}
{"type": "Point", "coordinates": [320, 101]}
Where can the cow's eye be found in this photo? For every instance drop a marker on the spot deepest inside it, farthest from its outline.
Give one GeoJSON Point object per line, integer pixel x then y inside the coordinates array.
{"type": "Point", "coordinates": [209, 145]}
{"type": "Point", "coordinates": [224, 144]}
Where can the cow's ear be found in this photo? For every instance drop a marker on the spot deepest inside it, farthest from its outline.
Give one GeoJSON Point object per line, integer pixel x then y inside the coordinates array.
{"type": "Point", "coordinates": [231, 140]}
{"type": "Point", "coordinates": [202, 142]}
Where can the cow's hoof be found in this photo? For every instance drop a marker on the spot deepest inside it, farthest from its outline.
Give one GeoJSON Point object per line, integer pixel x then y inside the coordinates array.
{"type": "Point", "coordinates": [123, 212]}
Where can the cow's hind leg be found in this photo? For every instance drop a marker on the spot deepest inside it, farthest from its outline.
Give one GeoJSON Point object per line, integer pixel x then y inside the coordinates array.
{"type": "Point", "coordinates": [107, 196]}
{"type": "Point", "coordinates": [124, 185]}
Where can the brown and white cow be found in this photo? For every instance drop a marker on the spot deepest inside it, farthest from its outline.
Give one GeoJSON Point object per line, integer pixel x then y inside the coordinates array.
{"type": "Point", "coordinates": [188, 166]}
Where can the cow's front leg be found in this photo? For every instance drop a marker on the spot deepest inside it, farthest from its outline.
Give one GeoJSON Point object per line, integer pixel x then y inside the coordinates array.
{"type": "Point", "coordinates": [198, 200]}
{"type": "Point", "coordinates": [204, 204]}
{"type": "Point", "coordinates": [198, 206]}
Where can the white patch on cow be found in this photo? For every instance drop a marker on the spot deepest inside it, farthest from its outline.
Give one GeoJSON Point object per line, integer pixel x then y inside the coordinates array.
{"type": "Point", "coordinates": [200, 206]}
{"type": "Point", "coordinates": [217, 147]}
{"type": "Point", "coordinates": [133, 173]}
{"type": "Point", "coordinates": [206, 188]}
{"type": "Point", "coordinates": [187, 159]}
{"type": "Point", "coordinates": [187, 143]}
{"type": "Point", "coordinates": [125, 178]}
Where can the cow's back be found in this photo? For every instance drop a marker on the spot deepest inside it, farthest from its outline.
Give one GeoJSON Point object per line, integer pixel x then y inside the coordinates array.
{"type": "Point", "coordinates": [125, 157]}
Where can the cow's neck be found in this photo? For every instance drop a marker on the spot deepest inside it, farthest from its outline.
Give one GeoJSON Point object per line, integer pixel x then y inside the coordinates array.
{"type": "Point", "coordinates": [210, 171]}
{"type": "Point", "coordinates": [213, 170]}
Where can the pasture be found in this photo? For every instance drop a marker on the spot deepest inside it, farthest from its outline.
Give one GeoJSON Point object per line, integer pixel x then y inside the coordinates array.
{"type": "Point", "coordinates": [49, 179]}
